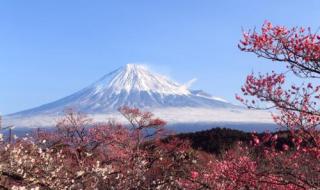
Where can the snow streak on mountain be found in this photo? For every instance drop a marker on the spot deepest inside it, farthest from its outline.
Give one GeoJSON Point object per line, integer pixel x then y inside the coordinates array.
{"type": "Point", "coordinates": [134, 86]}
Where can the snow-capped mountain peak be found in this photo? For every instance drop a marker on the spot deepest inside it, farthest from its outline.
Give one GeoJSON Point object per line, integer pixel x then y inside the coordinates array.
{"type": "Point", "coordinates": [136, 86]}
{"type": "Point", "coordinates": [133, 77]}
{"type": "Point", "coordinates": [132, 85]}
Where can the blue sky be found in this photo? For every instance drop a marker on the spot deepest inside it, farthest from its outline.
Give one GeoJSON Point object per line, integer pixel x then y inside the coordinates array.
{"type": "Point", "coordinates": [49, 49]}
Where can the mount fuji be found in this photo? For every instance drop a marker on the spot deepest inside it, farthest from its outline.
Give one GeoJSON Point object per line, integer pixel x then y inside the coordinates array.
{"type": "Point", "coordinates": [136, 86]}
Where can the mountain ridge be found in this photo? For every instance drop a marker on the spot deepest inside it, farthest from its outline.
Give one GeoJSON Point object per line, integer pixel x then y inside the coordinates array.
{"type": "Point", "coordinates": [132, 85]}
{"type": "Point", "coordinates": [184, 109]}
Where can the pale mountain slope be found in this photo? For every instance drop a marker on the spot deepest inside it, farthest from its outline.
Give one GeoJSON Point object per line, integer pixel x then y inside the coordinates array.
{"type": "Point", "coordinates": [136, 86]}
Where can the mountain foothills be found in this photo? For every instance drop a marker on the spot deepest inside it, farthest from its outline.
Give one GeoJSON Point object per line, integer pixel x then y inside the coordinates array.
{"type": "Point", "coordinates": [136, 86]}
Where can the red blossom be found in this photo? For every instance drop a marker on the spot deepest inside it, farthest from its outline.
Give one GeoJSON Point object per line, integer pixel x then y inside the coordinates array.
{"type": "Point", "coordinates": [296, 107]}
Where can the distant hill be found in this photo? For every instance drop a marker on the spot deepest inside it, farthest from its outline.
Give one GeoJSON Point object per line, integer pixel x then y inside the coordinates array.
{"type": "Point", "coordinates": [218, 140]}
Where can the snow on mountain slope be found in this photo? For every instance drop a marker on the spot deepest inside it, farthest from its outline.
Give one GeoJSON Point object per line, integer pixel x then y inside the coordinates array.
{"type": "Point", "coordinates": [136, 86]}
{"type": "Point", "coordinates": [132, 85]}
{"type": "Point", "coordinates": [138, 78]}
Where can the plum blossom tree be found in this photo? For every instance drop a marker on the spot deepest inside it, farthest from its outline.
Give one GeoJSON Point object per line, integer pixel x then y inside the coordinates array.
{"type": "Point", "coordinates": [296, 107]}
{"type": "Point", "coordinates": [82, 154]}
